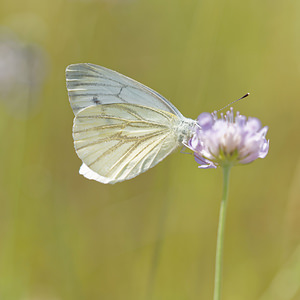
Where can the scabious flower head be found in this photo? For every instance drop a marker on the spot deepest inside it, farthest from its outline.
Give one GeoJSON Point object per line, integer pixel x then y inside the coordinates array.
{"type": "Point", "coordinates": [229, 140]}
{"type": "Point", "coordinates": [23, 68]}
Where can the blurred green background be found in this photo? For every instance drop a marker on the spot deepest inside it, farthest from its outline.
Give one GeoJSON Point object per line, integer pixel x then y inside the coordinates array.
{"type": "Point", "coordinates": [153, 237]}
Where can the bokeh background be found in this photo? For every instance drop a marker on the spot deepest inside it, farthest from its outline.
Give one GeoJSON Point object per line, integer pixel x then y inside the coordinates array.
{"type": "Point", "coordinates": [64, 237]}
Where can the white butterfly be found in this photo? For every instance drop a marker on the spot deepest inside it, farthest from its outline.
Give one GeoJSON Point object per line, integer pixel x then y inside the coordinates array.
{"type": "Point", "coordinates": [121, 127]}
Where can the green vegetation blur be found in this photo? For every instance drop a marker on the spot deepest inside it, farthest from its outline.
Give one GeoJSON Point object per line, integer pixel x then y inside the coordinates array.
{"type": "Point", "coordinates": [63, 237]}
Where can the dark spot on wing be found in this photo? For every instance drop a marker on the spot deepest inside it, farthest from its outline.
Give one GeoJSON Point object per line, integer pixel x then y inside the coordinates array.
{"type": "Point", "coordinates": [96, 100]}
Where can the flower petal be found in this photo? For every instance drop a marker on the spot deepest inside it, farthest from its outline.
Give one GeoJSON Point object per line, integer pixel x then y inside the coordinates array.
{"type": "Point", "coordinates": [206, 121]}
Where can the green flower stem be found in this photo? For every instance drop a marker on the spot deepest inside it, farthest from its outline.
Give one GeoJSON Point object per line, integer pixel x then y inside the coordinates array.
{"type": "Point", "coordinates": [220, 237]}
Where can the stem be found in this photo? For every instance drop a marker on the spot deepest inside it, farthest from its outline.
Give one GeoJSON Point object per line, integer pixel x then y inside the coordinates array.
{"type": "Point", "coordinates": [220, 237]}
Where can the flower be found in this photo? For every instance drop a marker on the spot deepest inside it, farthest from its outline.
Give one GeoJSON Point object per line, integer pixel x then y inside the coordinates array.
{"type": "Point", "coordinates": [228, 141]}
{"type": "Point", "coordinates": [23, 68]}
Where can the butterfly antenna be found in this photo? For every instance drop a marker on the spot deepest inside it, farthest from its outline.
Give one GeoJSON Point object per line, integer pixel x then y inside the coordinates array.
{"type": "Point", "coordinates": [234, 102]}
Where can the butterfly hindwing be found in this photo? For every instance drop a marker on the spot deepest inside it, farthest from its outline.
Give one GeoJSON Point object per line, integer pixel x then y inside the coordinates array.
{"type": "Point", "coordinates": [118, 141]}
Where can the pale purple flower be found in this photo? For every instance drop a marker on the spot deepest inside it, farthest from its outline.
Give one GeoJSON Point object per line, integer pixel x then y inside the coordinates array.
{"type": "Point", "coordinates": [229, 140]}
{"type": "Point", "coordinates": [23, 68]}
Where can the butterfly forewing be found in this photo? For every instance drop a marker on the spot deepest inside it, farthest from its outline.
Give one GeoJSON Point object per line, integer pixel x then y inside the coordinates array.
{"type": "Point", "coordinates": [90, 84]}
{"type": "Point", "coordinates": [118, 141]}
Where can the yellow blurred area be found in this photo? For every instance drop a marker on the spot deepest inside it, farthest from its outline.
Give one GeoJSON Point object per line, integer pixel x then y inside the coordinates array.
{"type": "Point", "coordinates": [65, 237]}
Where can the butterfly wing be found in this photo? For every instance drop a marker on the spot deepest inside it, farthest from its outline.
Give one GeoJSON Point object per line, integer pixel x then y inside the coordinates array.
{"type": "Point", "coordinates": [119, 141]}
{"type": "Point", "coordinates": [90, 84]}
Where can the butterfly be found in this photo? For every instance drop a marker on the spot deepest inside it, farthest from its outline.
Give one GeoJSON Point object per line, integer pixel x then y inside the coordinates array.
{"type": "Point", "coordinates": [121, 127]}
